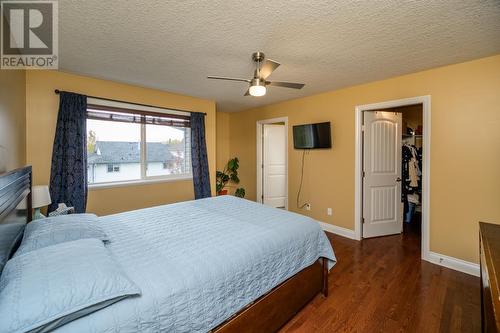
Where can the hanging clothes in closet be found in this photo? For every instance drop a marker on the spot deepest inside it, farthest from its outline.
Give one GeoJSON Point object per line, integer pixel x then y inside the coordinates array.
{"type": "Point", "coordinates": [411, 188]}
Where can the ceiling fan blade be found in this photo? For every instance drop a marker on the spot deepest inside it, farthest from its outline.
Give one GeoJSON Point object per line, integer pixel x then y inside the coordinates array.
{"type": "Point", "coordinates": [286, 84]}
{"type": "Point", "coordinates": [227, 78]}
{"type": "Point", "coordinates": [247, 93]}
{"type": "Point", "coordinates": [268, 67]}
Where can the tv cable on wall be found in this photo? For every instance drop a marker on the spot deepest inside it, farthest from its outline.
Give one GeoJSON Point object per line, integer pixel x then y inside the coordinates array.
{"type": "Point", "coordinates": [301, 179]}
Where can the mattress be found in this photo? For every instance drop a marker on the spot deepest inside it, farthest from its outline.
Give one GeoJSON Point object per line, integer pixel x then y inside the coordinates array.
{"type": "Point", "coordinates": [199, 262]}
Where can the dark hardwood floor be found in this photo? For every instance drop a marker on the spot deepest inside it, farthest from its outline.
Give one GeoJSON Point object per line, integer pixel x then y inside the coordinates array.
{"type": "Point", "coordinates": [381, 285]}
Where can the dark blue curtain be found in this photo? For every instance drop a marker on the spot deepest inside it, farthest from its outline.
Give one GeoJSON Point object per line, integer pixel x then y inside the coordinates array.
{"type": "Point", "coordinates": [199, 159]}
{"type": "Point", "coordinates": [68, 175]}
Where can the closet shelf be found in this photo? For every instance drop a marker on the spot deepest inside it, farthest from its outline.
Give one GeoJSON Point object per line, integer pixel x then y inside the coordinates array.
{"type": "Point", "coordinates": [412, 135]}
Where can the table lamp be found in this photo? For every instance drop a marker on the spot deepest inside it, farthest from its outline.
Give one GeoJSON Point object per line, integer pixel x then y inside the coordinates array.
{"type": "Point", "coordinates": [41, 198]}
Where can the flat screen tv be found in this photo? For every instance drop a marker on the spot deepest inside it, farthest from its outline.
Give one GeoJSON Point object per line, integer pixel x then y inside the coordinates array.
{"type": "Point", "coordinates": [312, 136]}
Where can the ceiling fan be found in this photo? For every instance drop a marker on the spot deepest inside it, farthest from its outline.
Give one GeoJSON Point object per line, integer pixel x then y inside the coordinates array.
{"type": "Point", "coordinates": [263, 68]}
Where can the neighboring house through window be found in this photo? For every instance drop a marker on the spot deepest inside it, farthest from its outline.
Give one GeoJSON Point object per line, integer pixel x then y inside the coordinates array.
{"type": "Point", "coordinates": [126, 145]}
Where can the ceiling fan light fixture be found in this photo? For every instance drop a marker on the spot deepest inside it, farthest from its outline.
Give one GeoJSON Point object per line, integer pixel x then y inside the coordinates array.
{"type": "Point", "coordinates": [257, 85]}
{"type": "Point", "coordinates": [257, 91]}
{"type": "Point", "coordinates": [257, 88]}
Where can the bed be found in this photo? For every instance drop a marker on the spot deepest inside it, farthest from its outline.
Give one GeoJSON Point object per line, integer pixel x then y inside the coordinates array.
{"type": "Point", "coordinates": [219, 264]}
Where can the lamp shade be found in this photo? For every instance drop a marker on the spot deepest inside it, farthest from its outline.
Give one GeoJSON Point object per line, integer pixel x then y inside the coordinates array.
{"type": "Point", "coordinates": [41, 196]}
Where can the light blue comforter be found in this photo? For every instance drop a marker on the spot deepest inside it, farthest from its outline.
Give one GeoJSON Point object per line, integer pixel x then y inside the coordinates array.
{"type": "Point", "coordinates": [199, 262]}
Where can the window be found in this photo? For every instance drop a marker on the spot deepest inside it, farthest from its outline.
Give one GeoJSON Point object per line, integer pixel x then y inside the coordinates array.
{"type": "Point", "coordinates": [166, 150]}
{"type": "Point", "coordinates": [113, 168]}
{"type": "Point", "coordinates": [124, 144]}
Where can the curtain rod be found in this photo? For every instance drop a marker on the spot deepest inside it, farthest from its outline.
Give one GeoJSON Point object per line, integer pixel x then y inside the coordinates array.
{"type": "Point", "coordinates": [57, 91]}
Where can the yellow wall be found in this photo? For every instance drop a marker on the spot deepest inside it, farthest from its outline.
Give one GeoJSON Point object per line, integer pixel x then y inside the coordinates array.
{"type": "Point", "coordinates": [465, 155]}
{"type": "Point", "coordinates": [223, 130]}
{"type": "Point", "coordinates": [12, 119]}
{"type": "Point", "coordinates": [41, 115]}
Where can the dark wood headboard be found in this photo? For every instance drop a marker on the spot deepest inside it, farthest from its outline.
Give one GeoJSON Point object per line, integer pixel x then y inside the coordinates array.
{"type": "Point", "coordinates": [15, 186]}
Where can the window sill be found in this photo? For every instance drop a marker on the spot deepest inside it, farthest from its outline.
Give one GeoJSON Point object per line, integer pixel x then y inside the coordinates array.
{"type": "Point", "coordinates": [138, 182]}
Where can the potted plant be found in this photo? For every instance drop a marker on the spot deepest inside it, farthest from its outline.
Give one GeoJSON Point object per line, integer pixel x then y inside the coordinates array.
{"type": "Point", "coordinates": [229, 174]}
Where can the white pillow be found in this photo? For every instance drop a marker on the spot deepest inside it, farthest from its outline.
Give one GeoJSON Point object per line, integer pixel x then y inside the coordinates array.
{"type": "Point", "coordinates": [50, 231]}
{"type": "Point", "coordinates": [47, 288]}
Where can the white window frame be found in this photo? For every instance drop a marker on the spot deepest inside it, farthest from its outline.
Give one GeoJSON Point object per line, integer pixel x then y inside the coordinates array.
{"type": "Point", "coordinates": [144, 178]}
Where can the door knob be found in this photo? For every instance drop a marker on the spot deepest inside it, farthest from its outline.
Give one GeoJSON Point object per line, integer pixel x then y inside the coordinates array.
{"type": "Point", "coordinates": [398, 179]}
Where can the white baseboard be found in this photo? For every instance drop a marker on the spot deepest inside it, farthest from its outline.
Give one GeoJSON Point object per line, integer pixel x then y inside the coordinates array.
{"type": "Point", "coordinates": [433, 257]}
{"type": "Point", "coordinates": [453, 263]}
{"type": "Point", "coordinates": [344, 232]}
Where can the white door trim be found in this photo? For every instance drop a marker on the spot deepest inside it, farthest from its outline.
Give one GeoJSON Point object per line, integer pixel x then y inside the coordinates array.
{"type": "Point", "coordinates": [260, 124]}
{"type": "Point", "coordinates": [426, 157]}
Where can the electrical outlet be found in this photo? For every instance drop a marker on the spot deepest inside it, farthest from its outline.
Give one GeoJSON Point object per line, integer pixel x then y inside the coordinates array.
{"type": "Point", "coordinates": [329, 212]}
{"type": "Point", "coordinates": [308, 206]}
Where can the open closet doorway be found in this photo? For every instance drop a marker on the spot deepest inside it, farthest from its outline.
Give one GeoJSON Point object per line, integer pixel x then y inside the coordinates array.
{"type": "Point", "coordinates": [412, 174]}
{"type": "Point", "coordinates": [272, 162]}
{"type": "Point", "coordinates": [392, 169]}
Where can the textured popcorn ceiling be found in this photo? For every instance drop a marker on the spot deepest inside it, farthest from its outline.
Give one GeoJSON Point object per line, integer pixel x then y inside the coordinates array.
{"type": "Point", "coordinates": [174, 45]}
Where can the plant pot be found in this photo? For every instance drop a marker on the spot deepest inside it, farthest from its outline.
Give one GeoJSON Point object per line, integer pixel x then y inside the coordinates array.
{"type": "Point", "coordinates": [222, 192]}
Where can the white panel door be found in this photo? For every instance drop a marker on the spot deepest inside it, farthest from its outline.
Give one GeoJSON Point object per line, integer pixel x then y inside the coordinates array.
{"type": "Point", "coordinates": [274, 166]}
{"type": "Point", "coordinates": [382, 214]}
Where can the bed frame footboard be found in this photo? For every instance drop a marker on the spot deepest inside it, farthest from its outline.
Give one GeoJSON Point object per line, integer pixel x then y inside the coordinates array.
{"type": "Point", "coordinates": [274, 309]}
{"type": "Point", "coordinates": [324, 264]}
